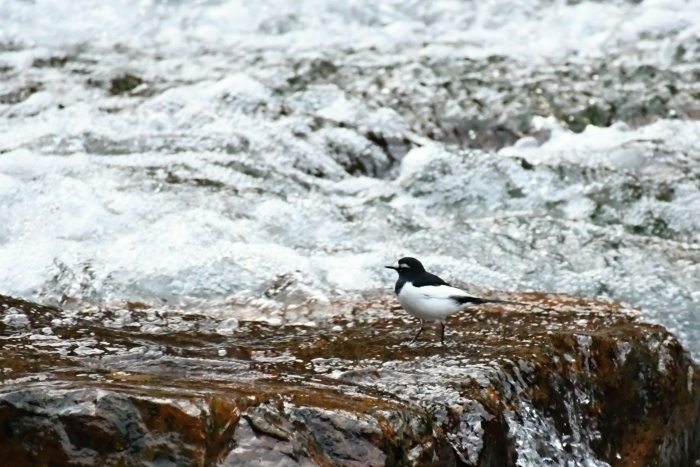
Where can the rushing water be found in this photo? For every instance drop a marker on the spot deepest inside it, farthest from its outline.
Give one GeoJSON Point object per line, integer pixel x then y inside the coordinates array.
{"type": "Point", "coordinates": [280, 153]}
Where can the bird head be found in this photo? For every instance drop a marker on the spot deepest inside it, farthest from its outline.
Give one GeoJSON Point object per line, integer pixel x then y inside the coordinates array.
{"type": "Point", "coordinates": [408, 267]}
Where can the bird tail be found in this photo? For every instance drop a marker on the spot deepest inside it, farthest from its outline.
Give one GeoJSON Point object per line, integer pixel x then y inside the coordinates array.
{"type": "Point", "coordinates": [503, 302]}
{"type": "Point", "coordinates": [481, 301]}
{"type": "Point", "coordinates": [465, 299]}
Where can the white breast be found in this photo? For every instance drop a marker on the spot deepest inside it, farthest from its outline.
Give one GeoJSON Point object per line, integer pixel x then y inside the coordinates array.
{"type": "Point", "coordinates": [431, 303]}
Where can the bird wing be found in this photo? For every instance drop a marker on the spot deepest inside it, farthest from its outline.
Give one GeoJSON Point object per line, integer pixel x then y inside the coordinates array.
{"type": "Point", "coordinates": [442, 292]}
{"type": "Point", "coordinates": [427, 279]}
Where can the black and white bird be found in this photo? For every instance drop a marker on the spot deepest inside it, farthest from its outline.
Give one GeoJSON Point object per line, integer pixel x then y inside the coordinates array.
{"type": "Point", "coordinates": [429, 298]}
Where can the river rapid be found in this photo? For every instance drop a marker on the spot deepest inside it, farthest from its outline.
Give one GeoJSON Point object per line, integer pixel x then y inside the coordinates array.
{"type": "Point", "coordinates": [266, 159]}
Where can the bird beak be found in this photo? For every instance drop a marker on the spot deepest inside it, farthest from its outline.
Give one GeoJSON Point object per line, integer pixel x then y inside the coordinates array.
{"type": "Point", "coordinates": [395, 268]}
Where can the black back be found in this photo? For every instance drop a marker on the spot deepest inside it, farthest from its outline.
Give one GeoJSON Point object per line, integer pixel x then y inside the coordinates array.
{"type": "Point", "coordinates": [411, 270]}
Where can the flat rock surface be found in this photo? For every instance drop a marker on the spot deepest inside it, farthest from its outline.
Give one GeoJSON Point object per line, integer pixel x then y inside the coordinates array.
{"type": "Point", "coordinates": [557, 380]}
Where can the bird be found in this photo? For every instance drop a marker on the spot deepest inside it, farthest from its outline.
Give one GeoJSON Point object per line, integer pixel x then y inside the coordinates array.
{"type": "Point", "coordinates": [429, 298]}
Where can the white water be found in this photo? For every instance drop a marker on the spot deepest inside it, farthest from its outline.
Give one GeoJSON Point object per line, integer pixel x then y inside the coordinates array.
{"type": "Point", "coordinates": [197, 186]}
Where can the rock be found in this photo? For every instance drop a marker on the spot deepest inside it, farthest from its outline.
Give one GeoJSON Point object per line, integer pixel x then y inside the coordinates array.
{"type": "Point", "coordinates": [19, 94]}
{"type": "Point", "coordinates": [117, 83]}
{"type": "Point", "coordinates": [557, 381]}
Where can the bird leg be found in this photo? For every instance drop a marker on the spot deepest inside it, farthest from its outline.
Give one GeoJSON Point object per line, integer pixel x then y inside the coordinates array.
{"type": "Point", "coordinates": [422, 323]}
{"type": "Point", "coordinates": [442, 332]}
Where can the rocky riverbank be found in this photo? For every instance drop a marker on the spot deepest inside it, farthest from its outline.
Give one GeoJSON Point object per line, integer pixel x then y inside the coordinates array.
{"type": "Point", "coordinates": [558, 380]}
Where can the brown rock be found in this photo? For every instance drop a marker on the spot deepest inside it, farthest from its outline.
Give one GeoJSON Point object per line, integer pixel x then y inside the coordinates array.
{"type": "Point", "coordinates": [560, 380]}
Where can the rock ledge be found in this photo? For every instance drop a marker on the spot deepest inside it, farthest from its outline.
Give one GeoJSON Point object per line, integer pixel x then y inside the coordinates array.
{"type": "Point", "coordinates": [562, 380]}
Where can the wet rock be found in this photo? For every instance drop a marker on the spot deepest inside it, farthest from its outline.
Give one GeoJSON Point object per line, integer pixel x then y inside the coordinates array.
{"type": "Point", "coordinates": [22, 93]}
{"type": "Point", "coordinates": [490, 103]}
{"type": "Point", "coordinates": [124, 83]}
{"type": "Point", "coordinates": [356, 154]}
{"type": "Point", "coordinates": [119, 83]}
{"type": "Point", "coordinates": [50, 61]}
{"type": "Point", "coordinates": [557, 381]}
